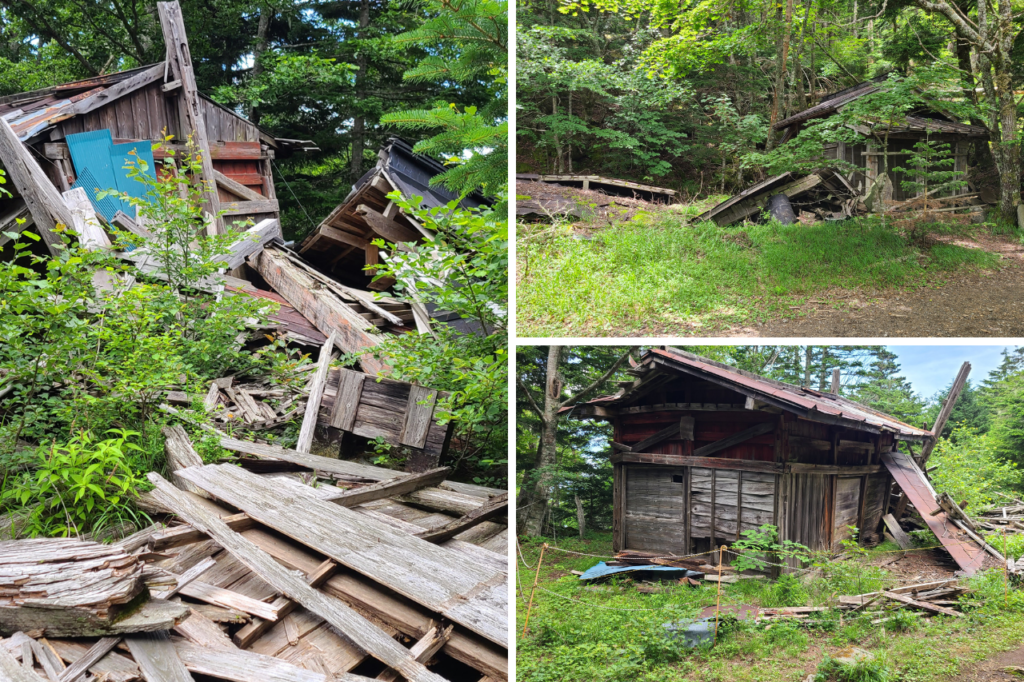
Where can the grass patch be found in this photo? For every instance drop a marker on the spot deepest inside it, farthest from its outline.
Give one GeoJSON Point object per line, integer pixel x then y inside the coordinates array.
{"type": "Point", "coordinates": [613, 632]}
{"type": "Point", "coordinates": [654, 274]}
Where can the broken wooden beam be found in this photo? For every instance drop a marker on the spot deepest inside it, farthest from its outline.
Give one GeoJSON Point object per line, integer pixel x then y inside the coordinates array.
{"type": "Point", "coordinates": [251, 241]}
{"type": "Point", "coordinates": [355, 627]}
{"type": "Point", "coordinates": [922, 604]}
{"type": "Point", "coordinates": [157, 658]}
{"type": "Point", "coordinates": [394, 486]}
{"type": "Point", "coordinates": [497, 506]}
{"type": "Point", "coordinates": [385, 227]}
{"type": "Point", "coordinates": [901, 538]}
{"type": "Point", "coordinates": [43, 200]}
{"type": "Point", "coordinates": [180, 454]}
{"type": "Point", "coordinates": [316, 394]}
{"type": "Point", "coordinates": [423, 650]}
{"type": "Point", "coordinates": [320, 306]}
{"type": "Point", "coordinates": [943, 416]}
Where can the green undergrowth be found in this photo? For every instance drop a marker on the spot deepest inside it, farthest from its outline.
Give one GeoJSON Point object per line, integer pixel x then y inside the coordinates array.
{"type": "Point", "coordinates": [654, 274]}
{"type": "Point", "coordinates": [611, 631]}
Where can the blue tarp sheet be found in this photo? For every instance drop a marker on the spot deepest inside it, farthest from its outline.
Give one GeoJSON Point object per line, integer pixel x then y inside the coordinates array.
{"type": "Point", "coordinates": [602, 570]}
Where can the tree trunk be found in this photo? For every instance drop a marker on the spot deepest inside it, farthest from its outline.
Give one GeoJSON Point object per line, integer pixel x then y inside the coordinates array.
{"type": "Point", "coordinates": [359, 120]}
{"type": "Point", "coordinates": [546, 460]}
{"type": "Point", "coordinates": [262, 42]}
{"type": "Point", "coordinates": [581, 521]}
{"type": "Point", "coordinates": [780, 78]}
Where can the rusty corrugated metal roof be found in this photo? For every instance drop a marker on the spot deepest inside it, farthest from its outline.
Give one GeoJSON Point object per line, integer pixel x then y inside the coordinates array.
{"type": "Point", "coordinates": [802, 400]}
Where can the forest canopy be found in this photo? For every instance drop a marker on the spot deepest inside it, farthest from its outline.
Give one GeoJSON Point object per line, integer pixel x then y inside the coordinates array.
{"type": "Point", "coordinates": [327, 71]}
{"type": "Point", "coordinates": [684, 95]}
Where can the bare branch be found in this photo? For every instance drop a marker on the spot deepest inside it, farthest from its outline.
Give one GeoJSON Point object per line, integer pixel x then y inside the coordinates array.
{"type": "Point", "coordinates": [533, 403]}
{"type": "Point", "coordinates": [597, 383]}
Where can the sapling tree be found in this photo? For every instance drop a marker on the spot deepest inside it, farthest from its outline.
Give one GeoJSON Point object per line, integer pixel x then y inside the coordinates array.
{"type": "Point", "coordinates": [930, 167]}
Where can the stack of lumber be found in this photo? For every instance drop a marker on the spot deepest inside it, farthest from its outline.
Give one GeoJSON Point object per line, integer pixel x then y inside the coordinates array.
{"type": "Point", "coordinates": [394, 576]}
{"type": "Point", "coordinates": [934, 598]}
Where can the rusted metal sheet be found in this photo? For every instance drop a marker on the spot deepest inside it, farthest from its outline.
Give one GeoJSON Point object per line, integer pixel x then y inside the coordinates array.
{"type": "Point", "coordinates": [968, 556]}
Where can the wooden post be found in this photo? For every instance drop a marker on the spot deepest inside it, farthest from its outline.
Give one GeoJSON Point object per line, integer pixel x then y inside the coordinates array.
{"type": "Point", "coordinates": [718, 600]}
{"type": "Point", "coordinates": [190, 108]}
{"type": "Point", "coordinates": [947, 409]}
{"type": "Point", "coordinates": [43, 200]}
{"type": "Point", "coordinates": [835, 381]}
{"type": "Point", "coordinates": [536, 578]}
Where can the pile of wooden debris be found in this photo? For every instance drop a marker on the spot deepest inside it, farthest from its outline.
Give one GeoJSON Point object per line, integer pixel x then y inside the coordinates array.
{"type": "Point", "coordinates": [587, 197]}
{"type": "Point", "coordinates": [266, 576]}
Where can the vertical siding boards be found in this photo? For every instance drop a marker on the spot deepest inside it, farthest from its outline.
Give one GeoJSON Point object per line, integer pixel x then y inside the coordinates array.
{"type": "Point", "coordinates": [806, 513]}
{"type": "Point", "coordinates": [876, 495]}
{"type": "Point", "coordinates": [655, 516]}
{"type": "Point", "coordinates": [618, 507]}
{"type": "Point", "coordinates": [757, 502]}
{"type": "Point", "coordinates": [847, 507]}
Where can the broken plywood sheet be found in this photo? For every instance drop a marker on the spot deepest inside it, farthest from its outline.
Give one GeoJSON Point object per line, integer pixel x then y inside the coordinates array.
{"type": "Point", "coordinates": [967, 554]}
{"type": "Point", "coordinates": [425, 573]}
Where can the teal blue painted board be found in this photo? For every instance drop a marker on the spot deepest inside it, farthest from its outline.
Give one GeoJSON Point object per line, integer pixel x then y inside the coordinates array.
{"type": "Point", "coordinates": [120, 157]}
{"type": "Point", "coordinates": [91, 151]}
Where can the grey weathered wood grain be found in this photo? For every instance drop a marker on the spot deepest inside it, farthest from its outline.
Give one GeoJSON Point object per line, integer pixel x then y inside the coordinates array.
{"type": "Point", "coordinates": [115, 667]}
{"type": "Point", "coordinates": [316, 394]}
{"type": "Point", "coordinates": [237, 188]}
{"type": "Point", "coordinates": [246, 666]}
{"type": "Point", "coordinates": [252, 240]}
{"type": "Point", "coordinates": [346, 403]}
{"type": "Point", "coordinates": [901, 538]}
{"type": "Point", "coordinates": [418, 415]}
{"type": "Point", "coordinates": [52, 665]}
{"type": "Point", "coordinates": [11, 670]}
{"type": "Point", "coordinates": [354, 626]}
{"type": "Point", "coordinates": [187, 577]}
{"type": "Point", "coordinates": [423, 650]}
{"type": "Point", "coordinates": [180, 454]}
{"type": "Point", "coordinates": [423, 572]}
{"type": "Point", "coordinates": [315, 462]}
{"type": "Point", "coordinates": [200, 630]}
{"type": "Point", "coordinates": [218, 596]}
{"type": "Point", "coordinates": [395, 486]}
{"type": "Point", "coordinates": [154, 616]}
{"type": "Point", "coordinates": [87, 660]}
{"type": "Point", "coordinates": [157, 658]}
{"type": "Point", "coordinates": [91, 236]}
{"type": "Point", "coordinates": [498, 506]}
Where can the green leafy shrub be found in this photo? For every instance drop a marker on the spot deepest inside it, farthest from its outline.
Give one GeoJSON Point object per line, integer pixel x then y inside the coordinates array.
{"type": "Point", "coordinates": [461, 268]}
{"type": "Point", "coordinates": [759, 548]}
{"type": "Point", "coordinates": [786, 591]}
{"type": "Point", "coordinates": [82, 486]}
{"type": "Point", "coordinates": [971, 469]}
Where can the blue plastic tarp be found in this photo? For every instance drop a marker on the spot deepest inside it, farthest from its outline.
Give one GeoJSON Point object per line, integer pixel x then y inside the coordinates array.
{"type": "Point", "coordinates": [602, 570]}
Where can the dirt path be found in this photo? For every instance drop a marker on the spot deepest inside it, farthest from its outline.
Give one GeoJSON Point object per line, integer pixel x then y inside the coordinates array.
{"type": "Point", "coordinates": [987, 304]}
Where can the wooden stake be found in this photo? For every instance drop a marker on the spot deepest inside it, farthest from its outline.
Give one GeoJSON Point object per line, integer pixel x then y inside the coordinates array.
{"type": "Point", "coordinates": [718, 600]}
{"type": "Point", "coordinates": [536, 578]}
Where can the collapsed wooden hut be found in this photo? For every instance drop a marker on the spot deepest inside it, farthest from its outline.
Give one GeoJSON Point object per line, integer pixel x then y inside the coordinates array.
{"type": "Point", "coordinates": [703, 452]}
{"type": "Point", "coordinates": [835, 193]}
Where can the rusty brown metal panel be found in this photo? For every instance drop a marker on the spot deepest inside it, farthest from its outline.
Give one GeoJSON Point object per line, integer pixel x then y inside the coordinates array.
{"type": "Point", "coordinates": [915, 486]}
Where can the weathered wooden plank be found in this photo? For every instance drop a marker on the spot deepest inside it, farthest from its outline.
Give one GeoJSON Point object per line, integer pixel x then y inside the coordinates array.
{"type": "Point", "coordinates": [43, 200]}
{"type": "Point", "coordinates": [423, 650]}
{"type": "Point", "coordinates": [157, 659]}
{"type": "Point", "coordinates": [735, 439]}
{"type": "Point", "coordinates": [200, 630]}
{"type": "Point", "coordinates": [87, 661]}
{"type": "Point", "coordinates": [415, 569]}
{"type": "Point", "coordinates": [237, 188]}
{"type": "Point", "coordinates": [703, 462]}
{"type": "Point", "coordinates": [190, 108]}
{"type": "Point", "coordinates": [180, 454]}
{"type": "Point", "coordinates": [13, 671]}
{"type": "Point", "coordinates": [901, 538]}
{"type": "Point", "coordinates": [489, 510]}
{"type": "Point", "coordinates": [320, 306]}
{"type": "Point", "coordinates": [356, 628]}
{"type": "Point", "coordinates": [187, 577]}
{"type": "Point", "coordinates": [246, 666]}
{"type": "Point", "coordinates": [316, 394]}
{"type": "Point", "coordinates": [250, 207]}
{"type": "Point", "coordinates": [91, 236]}
{"type": "Point", "coordinates": [387, 228]}
{"type": "Point", "coordinates": [219, 596]}
{"type": "Point", "coordinates": [833, 470]}
{"type": "Point", "coordinates": [395, 486]}
{"type": "Point", "coordinates": [346, 401]}
{"type": "Point", "coordinates": [418, 415]}
{"type": "Point", "coordinates": [923, 605]}
{"type": "Point", "coordinates": [339, 467]}
{"type": "Point", "coordinates": [943, 416]}
{"type": "Point", "coordinates": [252, 240]}
{"type": "Point", "coordinates": [666, 433]}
